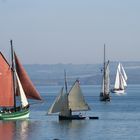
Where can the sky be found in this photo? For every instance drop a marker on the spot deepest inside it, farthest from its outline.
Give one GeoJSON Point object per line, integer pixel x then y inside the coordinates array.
{"type": "Point", "coordinates": [70, 31]}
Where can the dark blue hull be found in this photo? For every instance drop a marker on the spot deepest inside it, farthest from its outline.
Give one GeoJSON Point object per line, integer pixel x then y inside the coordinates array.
{"type": "Point", "coordinates": [72, 117]}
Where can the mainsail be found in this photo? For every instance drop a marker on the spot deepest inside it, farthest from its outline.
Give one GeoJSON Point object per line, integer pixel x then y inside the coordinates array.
{"type": "Point", "coordinates": [106, 80]}
{"type": "Point", "coordinates": [121, 77]}
{"type": "Point", "coordinates": [27, 85]}
{"type": "Point", "coordinates": [76, 98]}
{"type": "Point", "coordinates": [124, 73]}
{"type": "Point", "coordinates": [65, 110]}
{"type": "Point", "coordinates": [117, 80]}
{"type": "Point", "coordinates": [6, 84]}
{"type": "Point", "coordinates": [124, 76]}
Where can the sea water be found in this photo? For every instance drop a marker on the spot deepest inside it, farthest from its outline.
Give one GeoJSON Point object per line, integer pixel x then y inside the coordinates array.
{"type": "Point", "coordinates": [119, 119]}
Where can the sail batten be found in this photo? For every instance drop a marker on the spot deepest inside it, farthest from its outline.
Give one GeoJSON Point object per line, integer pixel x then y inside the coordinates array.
{"type": "Point", "coordinates": [28, 87]}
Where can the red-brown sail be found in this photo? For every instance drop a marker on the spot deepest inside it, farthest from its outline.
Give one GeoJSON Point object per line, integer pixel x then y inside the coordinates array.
{"type": "Point", "coordinates": [6, 83]}
{"type": "Point", "coordinates": [27, 85]}
{"type": "Point", "coordinates": [7, 130]}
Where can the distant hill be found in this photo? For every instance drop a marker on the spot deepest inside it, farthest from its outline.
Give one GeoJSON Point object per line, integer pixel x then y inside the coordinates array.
{"type": "Point", "coordinates": [88, 74]}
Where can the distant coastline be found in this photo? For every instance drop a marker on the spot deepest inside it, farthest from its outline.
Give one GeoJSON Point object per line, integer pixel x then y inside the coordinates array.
{"type": "Point", "coordinates": [88, 74]}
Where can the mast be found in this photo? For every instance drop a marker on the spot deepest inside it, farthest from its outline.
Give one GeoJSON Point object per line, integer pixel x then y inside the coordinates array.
{"type": "Point", "coordinates": [67, 94]}
{"type": "Point", "coordinates": [104, 69]}
{"type": "Point", "coordinates": [13, 68]}
{"type": "Point", "coordinates": [66, 87]}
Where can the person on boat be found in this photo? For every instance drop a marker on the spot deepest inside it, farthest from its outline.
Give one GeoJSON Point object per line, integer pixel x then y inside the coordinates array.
{"type": "Point", "coordinates": [4, 110]}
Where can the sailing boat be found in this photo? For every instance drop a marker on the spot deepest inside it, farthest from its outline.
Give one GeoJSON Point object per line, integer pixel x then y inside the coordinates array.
{"type": "Point", "coordinates": [14, 81]}
{"type": "Point", "coordinates": [105, 92]}
{"type": "Point", "coordinates": [69, 102]}
{"type": "Point", "coordinates": [120, 81]}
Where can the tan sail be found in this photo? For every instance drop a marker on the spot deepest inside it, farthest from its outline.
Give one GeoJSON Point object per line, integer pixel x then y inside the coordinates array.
{"type": "Point", "coordinates": [105, 88]}
{"type": "Point", "coordinates": [76, 98]}
{"type": "Point", "coordinates": [65, 111]}
{"type": "Point", "coordinates": [57, 105]}
{"type": "Point", "coordinates": [107, 79]}
{"type": "Point", "coordinates": [60, 105]}
{"type": "Point", "coordinates": [27, 85]}
{"type": "Point", "coordinates": [6, 84]}
{"type": "Point", "coordinates": [7, 129]}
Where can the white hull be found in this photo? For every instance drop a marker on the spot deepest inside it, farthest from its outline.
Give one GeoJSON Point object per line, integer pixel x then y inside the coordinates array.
{"type": "Point", "coordinates": [121, 94]}
{"type": "Point", "coordinates": [119, 91]}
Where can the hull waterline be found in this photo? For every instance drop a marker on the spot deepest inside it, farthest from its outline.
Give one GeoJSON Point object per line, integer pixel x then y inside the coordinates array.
{"type": "Point", "coordinates": [118, 91]}
{"type": "Point", "coordinates": [23, 114]}
{"type": "Point", "coordinates": [104, 97]}
{"type": "Point", "coordinates": [73, 117]}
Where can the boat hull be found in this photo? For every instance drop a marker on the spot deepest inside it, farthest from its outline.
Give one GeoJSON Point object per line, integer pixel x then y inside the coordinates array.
{"type": "Point", "coordinates": [118, 91]}
{"type": "Point", "coordinates": [105, 97]}
{"type": "Point", "coordinates": [22, 114]}
{"type": "Point", "coordinates": [93, 118]}
{"type": "Point", "coordinates": [72, 117]}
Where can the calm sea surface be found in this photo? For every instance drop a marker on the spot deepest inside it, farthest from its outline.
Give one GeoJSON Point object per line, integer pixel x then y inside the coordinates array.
{"type": "Point", "coordinates": [118, 119]}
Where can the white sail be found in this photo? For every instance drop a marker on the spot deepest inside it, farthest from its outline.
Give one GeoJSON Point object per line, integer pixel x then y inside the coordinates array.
{"type": "Point", "coordinates": [76, 98]}
{"type": "Point", "coordinates": [124, 81]}
{"type": "Point", "coordinates": [124, 73]}
{"type": "Point", "coordinates": [57, 104]}
{"type": "Point", "coordinates": [124, 76]}
{"type": "Point", "coordinates": [117, 80]}
{"type": "Point", "coordinates": [24, 101]}
{"type": "Point", "coordinates": [120, 81]}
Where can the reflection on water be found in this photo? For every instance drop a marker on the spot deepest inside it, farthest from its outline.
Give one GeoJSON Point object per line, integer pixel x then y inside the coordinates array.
{"type": "Point", "coordinates": [15, 130]}
{"type": "Point", "coordinates": [7, 130]}
{"type": "Point", "coordinates": [70, 130]}
{"type": "Point", "coordinates": [118, 119]}
{"type": "Point", "coordinates": [41, 130]}
{"type": "Point", "coordinates": [72, 124]}
{"type": "Point", "coordinates": [22, 129]}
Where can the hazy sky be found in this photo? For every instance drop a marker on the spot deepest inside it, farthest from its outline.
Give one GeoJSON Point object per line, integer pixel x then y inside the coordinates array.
{"type": "Point", "coordinates": [70, 31]}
